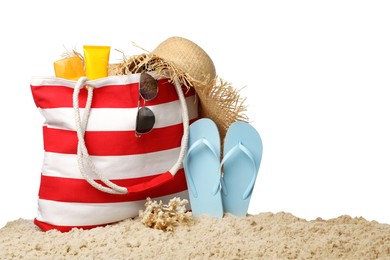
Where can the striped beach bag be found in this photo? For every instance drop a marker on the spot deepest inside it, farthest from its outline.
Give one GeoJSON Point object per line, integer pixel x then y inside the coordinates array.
{"type": "Point", "coordinates": [97, 168]}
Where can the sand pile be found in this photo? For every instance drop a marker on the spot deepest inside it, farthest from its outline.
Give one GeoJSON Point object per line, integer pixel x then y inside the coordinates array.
{"type": "Point", "coordinates": [266, 235]}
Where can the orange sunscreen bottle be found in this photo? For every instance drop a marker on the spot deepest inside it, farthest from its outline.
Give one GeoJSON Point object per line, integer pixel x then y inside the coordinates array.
{"type": "Point", "coordinates": [69, 68]}
{"type": "Point", "coordinates": [96, 61]}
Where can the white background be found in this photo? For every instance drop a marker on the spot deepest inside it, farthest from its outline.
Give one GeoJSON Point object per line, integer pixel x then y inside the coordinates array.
{"type": "Point", "coordinates": [317, 75]}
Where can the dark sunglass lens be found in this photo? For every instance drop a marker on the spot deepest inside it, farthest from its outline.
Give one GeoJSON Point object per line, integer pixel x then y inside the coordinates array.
{"type": "Point", "coordinates": [148, 86]}
{"type": "Point", "coordinates": [145, 120]}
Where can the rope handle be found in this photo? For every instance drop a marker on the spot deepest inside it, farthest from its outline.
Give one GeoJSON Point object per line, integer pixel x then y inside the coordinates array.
{"type": "Point", "coordinates": [83, 155]}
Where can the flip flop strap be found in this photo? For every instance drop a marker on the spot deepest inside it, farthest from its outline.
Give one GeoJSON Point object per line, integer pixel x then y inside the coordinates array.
{"type": "Point", "coordinates": [195, 145]}
{"type": "Point", "coordinates": [237, 148]}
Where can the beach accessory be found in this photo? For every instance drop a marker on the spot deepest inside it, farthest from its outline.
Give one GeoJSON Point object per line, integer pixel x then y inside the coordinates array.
{"type": "Point", "coordinates": [241, 162]}
{"type": "Point", "coordinates": [95, 170]}
{"type": "Point", "coordinates": [202, 169]}
{"type": "Point", "coordinates": [183, 60]}
{"type": "Point", "coordinates": [69, 68]}
{"type": "Point", "coordinates": [148, 89]}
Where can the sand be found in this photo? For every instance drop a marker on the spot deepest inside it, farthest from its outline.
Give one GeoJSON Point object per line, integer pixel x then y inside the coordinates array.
{"type": "Point", "coordinates": [261, 236]}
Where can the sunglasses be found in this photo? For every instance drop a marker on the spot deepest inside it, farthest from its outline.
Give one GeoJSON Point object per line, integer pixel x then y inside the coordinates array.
{"type": "Point", "coordinates": [148, 90]}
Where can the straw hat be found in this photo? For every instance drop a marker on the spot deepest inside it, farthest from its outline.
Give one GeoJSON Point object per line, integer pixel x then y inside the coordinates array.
{"type": "Point", "coordinates": [181, 59]}
{"type": "Point", "coordinates": [189, 58]}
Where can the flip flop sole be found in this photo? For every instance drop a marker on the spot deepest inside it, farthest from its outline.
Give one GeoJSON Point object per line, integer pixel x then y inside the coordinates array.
{"type": "Point", "coordinates": [201, 166]}
{"type": "Point", "coordinates": [242, 156]}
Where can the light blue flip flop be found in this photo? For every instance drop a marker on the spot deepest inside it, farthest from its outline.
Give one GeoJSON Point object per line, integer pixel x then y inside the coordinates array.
{"type": "Point", "coordinates": [202, 169]}
{"type": "Point", "coordinates": [243, 150]}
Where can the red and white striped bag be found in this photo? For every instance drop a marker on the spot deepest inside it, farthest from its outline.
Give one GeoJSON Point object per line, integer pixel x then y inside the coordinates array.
{"type": "Point", "coordinates": [95, 170]}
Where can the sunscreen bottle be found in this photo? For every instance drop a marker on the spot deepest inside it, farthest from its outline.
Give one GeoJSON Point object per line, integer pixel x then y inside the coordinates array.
{"type": "Point", "coordinates": [96, 61]}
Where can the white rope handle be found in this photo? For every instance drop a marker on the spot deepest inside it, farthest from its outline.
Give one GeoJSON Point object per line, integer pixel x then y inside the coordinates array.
{"type": "Point", "coordinates": [82, 151]}
{"type": "Point", "coordinates": [184, 141]}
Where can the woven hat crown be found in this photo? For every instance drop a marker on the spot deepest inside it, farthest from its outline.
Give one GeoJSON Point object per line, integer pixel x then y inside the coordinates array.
{"type": "Point", "coordinates": [188, 57]}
